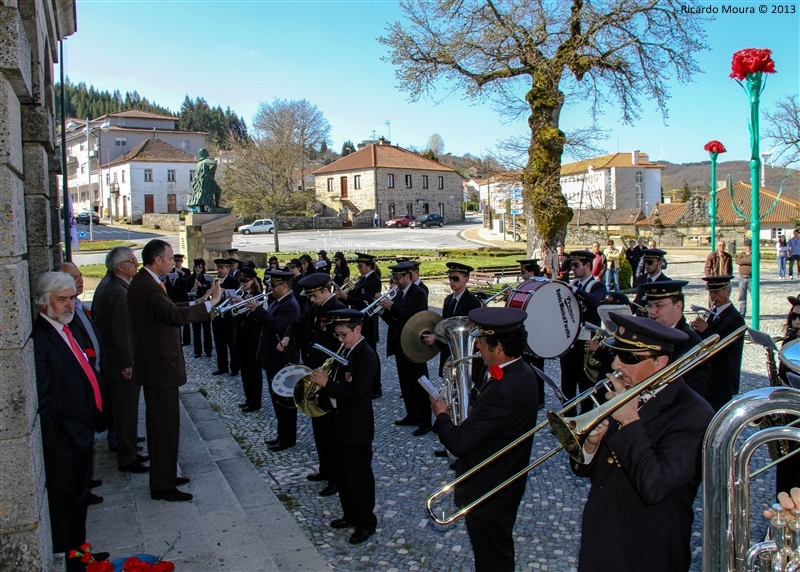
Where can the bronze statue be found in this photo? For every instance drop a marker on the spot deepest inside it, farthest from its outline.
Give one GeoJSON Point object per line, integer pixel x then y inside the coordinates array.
{"type": "Point", "coordinates": [206, 193]}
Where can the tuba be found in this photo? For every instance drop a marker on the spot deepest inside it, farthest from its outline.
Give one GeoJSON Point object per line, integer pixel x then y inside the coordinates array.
{"type": "Point", "coordinates": [457, 372]}
{"type": "Point", "coordinates": [306, 393]}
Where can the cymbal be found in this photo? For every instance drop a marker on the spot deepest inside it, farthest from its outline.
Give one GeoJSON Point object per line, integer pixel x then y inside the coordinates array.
{"type": "Point", "coordinates": [414, 348]}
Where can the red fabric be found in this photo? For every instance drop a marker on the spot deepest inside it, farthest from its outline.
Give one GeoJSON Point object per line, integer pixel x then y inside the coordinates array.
{"type": "Point", "coordinates": [87, 369]}
{"type": "Point", "coordinates": [751, 60]}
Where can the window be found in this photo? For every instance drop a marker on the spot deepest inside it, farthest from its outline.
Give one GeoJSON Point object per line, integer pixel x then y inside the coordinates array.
{"type": "Point", "coordinates": [121, 142]}
{"type": "Point", "coordinates": [184, 143]}
{"type": "Point", "coordinates": [356, 181]}
{"type": "Point", "coordinates": [172, 203]}
{"type": "Point", "coordinates": [170, 175]}
{"type": "Point", "coordinates": [330, 185]}
{"type": "Point", "coordinates": [191, 175]}
{"type": "Point", "coordinates": [408, 181]}
{"type": "Point", "coordinates": [123, 176]}
{"type": "Point", "coordinates": [115, 177]}
{"type": "Point", "coordinates": [83, 147]}
{"type": "Point", "coordinates": [441, 182]}
{"type": "Point", "coordinates": [390, 182]}
{"type": "Point", "coordinates": [391, 211]}
{"type": "Point", "coordinates": [148, 175]}
{"type": "Point", "coordinates": [108, 177]}
{"type": "Point", "coordinates": [639, 177]}
{"type": "Point", "coordinates": [83, 167]}
{"type": "Point", "coordinates": [409, 208]}
{"type": "Point", "coordinates": [424, 181]}
{"type": "Point", "coordinates": [776, 232]}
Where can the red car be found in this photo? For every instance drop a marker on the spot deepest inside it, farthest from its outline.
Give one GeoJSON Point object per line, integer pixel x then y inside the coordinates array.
{"type": "Point", "coordinates": [404, 220]}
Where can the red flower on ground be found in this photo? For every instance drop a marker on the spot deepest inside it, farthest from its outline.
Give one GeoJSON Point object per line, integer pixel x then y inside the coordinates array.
{"type": "Point", "coordinates": [104, 566]}
{"type": "Point", "coordinates": [496, 372]}
{"type": "Point", "coordinates": [86, 547]}
{"type": "Point", "coordinates": [751, 60]}
{"type": "Point", "coordinates": [714, 146]}
{"type": "Point", "coordinates": [164, 566]}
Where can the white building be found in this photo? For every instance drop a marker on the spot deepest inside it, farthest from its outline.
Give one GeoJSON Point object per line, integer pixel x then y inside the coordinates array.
{"type": "Point", "coordinates": [112, 136]}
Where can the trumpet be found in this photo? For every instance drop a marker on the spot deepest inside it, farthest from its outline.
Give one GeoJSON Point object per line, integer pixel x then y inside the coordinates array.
{"type": "Point", "coordinates": [375, 308]}
{"type": "Point", "coordinates": [240, 308]}
{"type": "Point", "coordinates": [571, 432]}
{"type": "Point", "coordinates": [346, 286]}
{"type": "Point", "coordinates": [703, 313]}
{"type": "Point", "coordinates": [225, 305]}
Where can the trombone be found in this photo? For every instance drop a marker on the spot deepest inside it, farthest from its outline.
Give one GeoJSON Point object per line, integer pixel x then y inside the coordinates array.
{"type": "Point", "coordinates": [502, 295]}
{"type": "Point", "coordinates": [374, 308]}
{"type": "Point", "coordinates": [573, 431]}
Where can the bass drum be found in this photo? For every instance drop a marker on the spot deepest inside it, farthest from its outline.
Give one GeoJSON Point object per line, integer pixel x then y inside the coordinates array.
{"type": "Point", "coordinates": [554, 315]}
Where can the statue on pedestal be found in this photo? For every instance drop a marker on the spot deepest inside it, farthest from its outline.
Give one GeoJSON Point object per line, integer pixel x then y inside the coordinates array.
{"type": "Point", "coordinates": [206, 193]}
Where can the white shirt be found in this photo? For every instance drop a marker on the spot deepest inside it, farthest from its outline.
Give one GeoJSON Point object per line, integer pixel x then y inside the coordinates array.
{"type": "Point", "coordinates": [59, 328]}
{"type": "Point", "coordinates": [207, 304]}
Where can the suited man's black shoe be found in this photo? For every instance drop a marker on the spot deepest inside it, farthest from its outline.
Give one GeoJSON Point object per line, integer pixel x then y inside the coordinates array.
{"type": "Point", "coordinates": [140, 439]}
{"type": "Point", "coordinates": [340, 523]}
{"type": "Point", "coordinates": [94, 499]}
{"type": "Point", "coordinates": [360, 536]}
{"type": "Point", "coordinates": [234, 373]}
{"type": "Point", "coordinates": [171, 496]}
{"type": "Point", "coordinates": [273, 441]}
{"type": "Point", "coordinates": [330, 490]}
{"type": "Point", "coordinates": [404, 421]}
{"type": "Point", "coordinates": [219, 372]}
{"type": "Point", "coordinates": [440, 452]}
{"type": "Point", "coordinates": [135, 467]}
{"type": "Point", "coordinates": [180, 481]}
{"type": "Point", "coordinates": [279, 447]}
{"type": "Point", "coordinates": [317, 477]}
{"type": "Point", "coordinates": [142, 458]}
{"type": "Point", "coordinates": [421, 431]}
{"type": "Point", "coordinates": [94, 483]}
{"type": "Point", "coordinates": [250, 409]}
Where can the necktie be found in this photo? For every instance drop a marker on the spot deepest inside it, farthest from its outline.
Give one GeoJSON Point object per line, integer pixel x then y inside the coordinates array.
{"type": "Point", "coordinates": [163, 287]}
{"type": "Point", "coordinates": [580, 285]}
{"type": "Point", "coordinates": [87, 369]}
{"type": "Point", "coordinates": [450, 308]}
{"type": "Point", "coordinates": [84, 319]}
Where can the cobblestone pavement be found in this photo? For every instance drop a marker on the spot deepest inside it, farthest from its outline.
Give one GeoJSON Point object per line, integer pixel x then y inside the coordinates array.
{"type": "Point", "coordinates": [547, 531]}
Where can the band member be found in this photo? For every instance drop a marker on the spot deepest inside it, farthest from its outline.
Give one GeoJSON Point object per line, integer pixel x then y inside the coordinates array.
{"type": "Point", "coordinates": [248, 333]}
{"type": "Point", "coordinates": [645, 462]}
{"type": "Point", "coordinates": [176, 290]}
{"type": "Point", "coordinates": [295, 266]}
{"type": "Point", "coordinates": [415, 264]}
{"type": "Point", "coordinates": [314, 328]}
{"type": "Point", "coordinates": [504, 410]}
{"type": "Point", "coordinates": [360, 296]}
{"type": "Point", "coordinates": [352, 425]}
{"type": "Point", "coordinates": [665, 303]}
{"type": "Point", "coordinates": [323, 263]}
{"type": "Point", "coordinates": [787, 472]}
{"type": "Point", "coordinates": [652, 261]}
{"type": "Point", "coordinates": [590, 293]}
{"type": "Point", "coordinates": [726, 364]}
{"type": "Point", "coordinates": [283, 311]}
{"type": "Point", "coordinates": [601, 353]}
{"type": "Point", "coordinates": [224, 327]}
{"type": "Point", "coordinates": [233, 260]}
{"type": "Point", "coordinates": [529, 268]}
{"type": "Point", "coordinates": [196, 286]}
{"type": "Point", "coordinates": [341, 270]}
{"type": "Point", "coordinates": [410, 300]}
{"type": "Point", "coordinates": [307, 265]}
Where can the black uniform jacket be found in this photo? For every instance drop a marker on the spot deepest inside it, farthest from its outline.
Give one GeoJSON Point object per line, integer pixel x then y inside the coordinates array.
{"type": "Point", "coordinates": [362, 294]}
{"type": "Point", "coordinates": [351, 387]}
{"type": "Point", "coordinates": [314, 327]}
{"type": "Point", "coordinates": [502, 412]}
{"type": "Point", "coordinates": [645, 477]}
{"type": "Point", "coordinates": [412, 302]}
{"type": "Point", "coordinates": [727, 364]}
{"type": "Point", "coordinates": [468, 301]}
{"type": "Point", "coordinates": [698, 377]}
{"type": "Point", "coordinates": [274, 324]}
{"type": "Point", "coordinates": [67, 408]}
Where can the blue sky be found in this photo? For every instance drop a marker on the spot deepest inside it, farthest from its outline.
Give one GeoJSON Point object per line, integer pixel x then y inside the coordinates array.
{"type": "Point", "coordinates": [238, 54]}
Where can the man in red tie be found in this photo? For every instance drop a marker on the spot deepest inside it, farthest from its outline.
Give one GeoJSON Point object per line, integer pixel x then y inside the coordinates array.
{"type": "Point", "coordinates": [71, 402]}
{"type": "Point", "coordinates": [159, 366]}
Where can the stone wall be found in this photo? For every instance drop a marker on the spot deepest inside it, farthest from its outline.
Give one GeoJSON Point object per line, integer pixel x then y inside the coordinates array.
{"type": "Point", "coordinates": [163, 221]}
{"type": "Point", "coordinates": [29, 245]}
{"type": "Point", "coordinates": [307, 222]}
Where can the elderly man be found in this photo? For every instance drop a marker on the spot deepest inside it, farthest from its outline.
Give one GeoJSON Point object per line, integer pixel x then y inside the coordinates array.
{"type": "Point", "coordinates": [156, 338]}
{"type": "Point", "coordinates": [110, 314]}
{"type": "Point", "coordinates": [719, 262]}
{"type": "Point", "coordinates": [71, 403]}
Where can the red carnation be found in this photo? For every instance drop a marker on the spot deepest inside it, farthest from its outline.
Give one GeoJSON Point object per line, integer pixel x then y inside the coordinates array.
{"type": "Point", "coordinates": [496, 372]}
{"type": "Point", "coordinates": [87, 556]}
{"type": "Point", "coordinates": [714, 146]}
{"type": "Point", "coordinates": [751, 60]}
{"type": "Point", "coordinates": [104, 566]}
{"type": "Point", "coordinates": [164, 566]}
{"type": "Point", "coordinates": [89, 353]}
{"type": "Point", "coordinates": [73, 554]}
{"type": "Point", "coordinates": [86, 546]}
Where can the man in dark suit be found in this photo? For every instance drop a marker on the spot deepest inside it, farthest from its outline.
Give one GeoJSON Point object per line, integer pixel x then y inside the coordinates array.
{"type": "Point", "coordinates": [283, 311]}
{"type": "Point", "coordinates": [176, 289]}
{"type": "Point", "coordinates": [665, 303]}
{"type": "Point", "coordinates": [644, 463]}
{"type": "Point", "coordinates": [71, 401]}
{"type": "Point", "coordinates": [504, 410]}
{"type": "Point", "coordinates": [360, 296]}
{"type": "Point", "coordinates": [352, 425]}
{"type": "Point", "coordinates": [410, 300]}
{"type": "Point", "coordinates": [652, 261]}
{"type": "Point", "coordinates": [160, 367]}
{"type": "Point", "coordinates": [224, 327]}
{"type": "Point", "coordinates": [110, 315]}
{"type": "Point", "coordinates": [590, 293]}
{"type": "Point", "coordinates": [726, 364]}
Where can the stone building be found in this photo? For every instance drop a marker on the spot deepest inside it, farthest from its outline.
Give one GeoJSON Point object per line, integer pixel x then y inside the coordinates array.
{"type": "Point", "coordinates": [30, 31]}
{"type": "Point", "coordinates": [390, 181]}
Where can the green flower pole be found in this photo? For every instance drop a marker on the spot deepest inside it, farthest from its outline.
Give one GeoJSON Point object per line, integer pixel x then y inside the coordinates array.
{"type": "Point", "coordinates": [750, 65]}
{"type": "Point", "coordinates": [714, 148]}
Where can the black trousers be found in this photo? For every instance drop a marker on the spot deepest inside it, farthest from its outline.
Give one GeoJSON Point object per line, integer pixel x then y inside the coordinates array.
{"type": "Point", "coordinates": [285, 415]}
{"type": "Point", "coordinates": [490, 528]}
{"type": "Point", "coordinates": [67, 474]}
{"type": "Point", "coordinates": [126, 394]}
{"type": "Point", "coordinates": [186, 334]}
{"type": "Point", "coordinates": [252, 378]}
{"type": "Point", "coordinates": [225, 342]}
{"type": "Point", "coordinates": [163, 434]}
{"type": "Point", "coordinates": [207, 344]}
{"type": "Point", "coordinates": [371, 336]}
{"type": "Point", "coordinates": [537, 361]}
{"type": "Point", "coordinates": [573, 378]}
{"type": "Point", "coordinates": [326, 448]}
{"type": "Point", "coordinates": [717, 402]}
{"type": "Point", "coordinates": [415, 398]}
{"type": "Point", "coordinates": [356, 484]}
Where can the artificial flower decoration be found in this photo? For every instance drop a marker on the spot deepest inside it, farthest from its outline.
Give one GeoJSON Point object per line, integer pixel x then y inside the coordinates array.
{"type": "Point", "coordinates": [751, 60]}
{"type": "Point", "coordinates": [496, 372]}
{"type": "Point", "coordinates": [714, 146]}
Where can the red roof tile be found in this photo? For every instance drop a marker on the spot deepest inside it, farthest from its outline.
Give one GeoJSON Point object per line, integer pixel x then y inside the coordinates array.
{"type": "Point", "coordinates": [387, 156]}
{"type": "Point", "coordinates": [157, 151]}
{"type": "Point", "coordinates": [608, 161]}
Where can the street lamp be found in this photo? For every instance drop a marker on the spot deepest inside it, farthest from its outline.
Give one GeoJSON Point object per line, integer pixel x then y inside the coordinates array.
{"type": "Point", "coordinates": [71, 126]}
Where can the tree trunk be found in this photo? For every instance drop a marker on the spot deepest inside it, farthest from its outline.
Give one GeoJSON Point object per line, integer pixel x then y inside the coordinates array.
{"type": "Point", "coordinates": [547, 210]}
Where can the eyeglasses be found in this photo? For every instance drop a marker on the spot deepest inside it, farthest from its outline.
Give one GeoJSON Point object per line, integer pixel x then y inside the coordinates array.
{"type": "Point", "coordinates": [243, 280]}
{"type": "Point", "coordinates": [576, 264]}
{"type": "Point", "coordinates": [632, 358]}
{"type": "Point", "coordinates": [396, 275]}
{"type": "Point", "coordinates": [454, 278]}
{"type": "Point", "coordinates": [658, 306]}
{"type": "Point", "coordinates": [794, 316]}
{"type": "Point", "coordinates": [341, 335]}
{"type": "Point", "coordinates": [133, 261]}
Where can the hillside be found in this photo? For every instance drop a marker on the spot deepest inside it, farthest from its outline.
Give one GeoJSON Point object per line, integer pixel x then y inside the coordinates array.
{"type": "Point", "coordinates": [698, 174]}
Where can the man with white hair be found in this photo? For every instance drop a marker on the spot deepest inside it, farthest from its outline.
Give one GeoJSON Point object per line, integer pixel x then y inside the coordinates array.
{"type": "Point", "coordinates": [71, 404]}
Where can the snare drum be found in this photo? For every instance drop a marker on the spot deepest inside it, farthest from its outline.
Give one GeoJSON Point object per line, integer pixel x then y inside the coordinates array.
{"type": "Point", "coordinates": [284, 381]}
{"type": "Point", "coordinates": [554, 315]}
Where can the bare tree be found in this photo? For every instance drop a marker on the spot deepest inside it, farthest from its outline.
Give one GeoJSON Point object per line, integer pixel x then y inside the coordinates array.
{"type": "Point", "coordinates": [552, 52]}
{"type": "Point", "coordinates": [783, 130]}
{"type": "Point", "coordinates": [436, 144]}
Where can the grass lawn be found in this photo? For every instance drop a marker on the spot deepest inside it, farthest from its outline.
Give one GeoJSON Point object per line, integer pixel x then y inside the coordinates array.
{"type": "Point", "coordinates": [94, 245]}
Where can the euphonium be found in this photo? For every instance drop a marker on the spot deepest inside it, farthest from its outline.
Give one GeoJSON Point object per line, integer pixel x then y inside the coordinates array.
{"type": "Point", "coordinates": [306, 393]}
{"type": "Point", "coordinates": [457, 372]}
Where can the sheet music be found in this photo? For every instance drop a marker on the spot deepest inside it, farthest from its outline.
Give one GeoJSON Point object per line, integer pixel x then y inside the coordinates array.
{"type": "Point", "coordinates": [605, 311]}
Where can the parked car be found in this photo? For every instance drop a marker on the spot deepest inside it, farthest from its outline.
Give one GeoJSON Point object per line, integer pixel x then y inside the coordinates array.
{"type": "Point", "coordinates": [404, 220]}
{"type": "Point", "coordinates": [427, 220]}
{"type": "Point", "coordinates": [260, 225]}
{"type": "Point", "coordinates": [83, 218]}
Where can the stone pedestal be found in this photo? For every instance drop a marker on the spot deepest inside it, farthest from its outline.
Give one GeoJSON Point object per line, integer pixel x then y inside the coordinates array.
{"type": "Point", "coordinates": [207, 236]}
